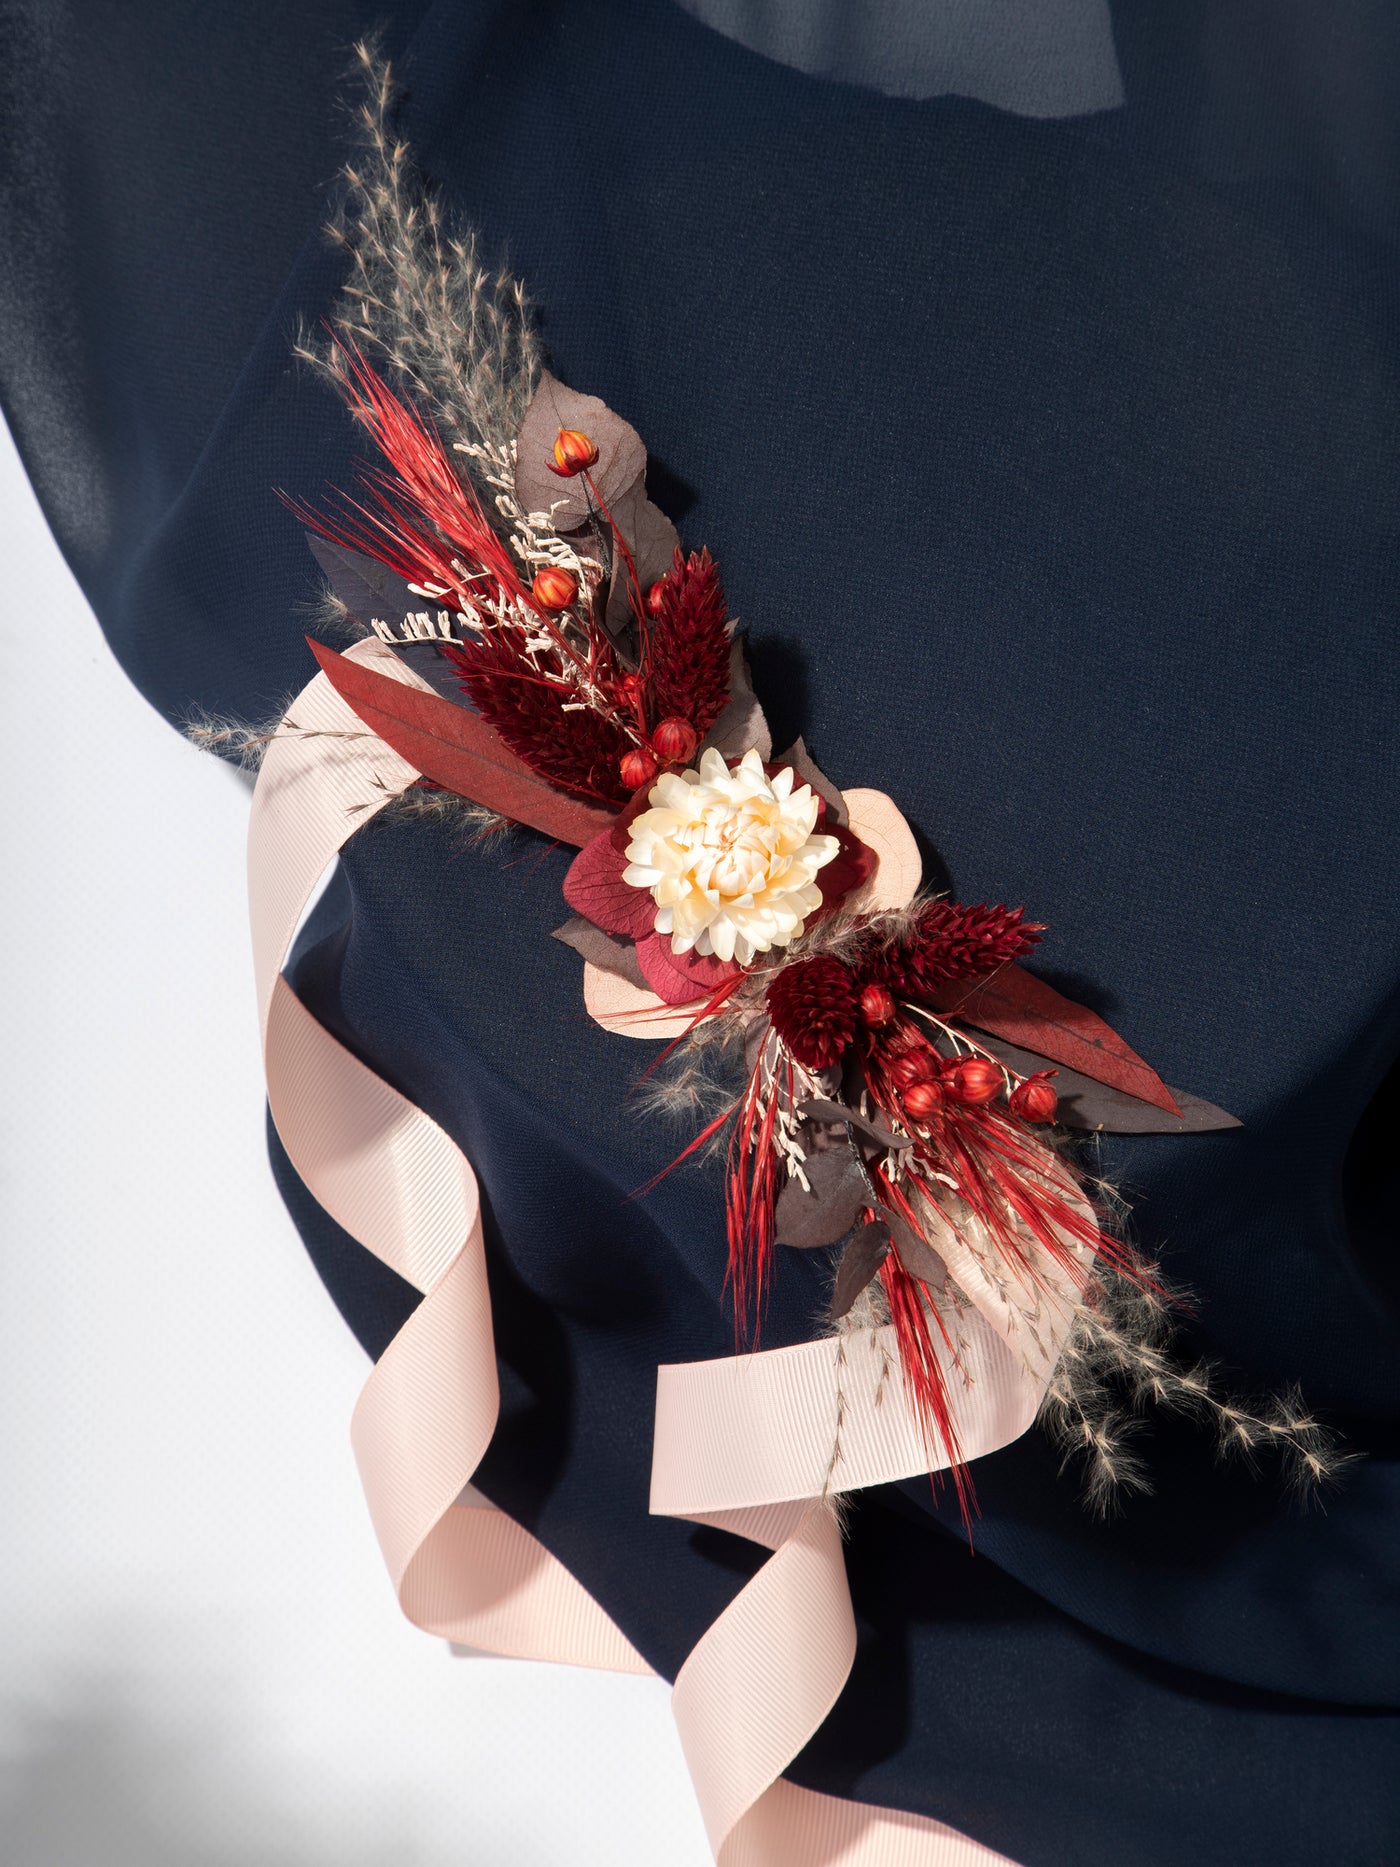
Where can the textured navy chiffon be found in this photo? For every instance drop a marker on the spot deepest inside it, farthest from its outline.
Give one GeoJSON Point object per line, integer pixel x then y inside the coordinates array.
{"type": "Point", "coordinates": [1051, 464]}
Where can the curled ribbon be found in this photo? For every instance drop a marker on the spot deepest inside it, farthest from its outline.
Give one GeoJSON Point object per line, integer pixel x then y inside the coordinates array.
{"type": "Point", "coordinates": [755, 1444]}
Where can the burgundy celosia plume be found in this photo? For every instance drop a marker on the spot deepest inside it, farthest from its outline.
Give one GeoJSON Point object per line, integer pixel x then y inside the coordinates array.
{"type": "Point", "coordinates": [952, 942]}
{"type": "Point", "coordinates": [688, 645]}
{"type": "Point", "coordinates": [580, 750]}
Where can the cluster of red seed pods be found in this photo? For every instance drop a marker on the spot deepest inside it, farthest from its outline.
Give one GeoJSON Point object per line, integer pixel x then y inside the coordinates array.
{"type": "Point", "coordinates": [922, 1082]}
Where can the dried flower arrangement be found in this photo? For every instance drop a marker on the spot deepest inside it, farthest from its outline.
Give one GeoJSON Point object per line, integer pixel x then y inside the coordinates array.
{"type": "Point", "coordinates": [905, 1092]}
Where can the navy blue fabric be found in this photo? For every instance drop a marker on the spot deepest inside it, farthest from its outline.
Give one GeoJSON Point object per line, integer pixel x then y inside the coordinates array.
{"type": "Point", "coordinates": [1052, 468]}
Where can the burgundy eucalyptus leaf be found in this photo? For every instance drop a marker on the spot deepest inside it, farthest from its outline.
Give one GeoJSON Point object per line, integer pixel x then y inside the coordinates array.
{"type": "Point", "coordinates": [809, 1220]}
{"type": "Point", "coordinates": [1104, 1110]}
{"type": "Point", "coordinates": [595, 889]}
{"type": "Point", "coordinates": [620, 464]}
{"type": "Point", "coordinates": [850, 868]}
{"type": "Point", "coordinates": [603, 950]}
{"type": "Point", "coordinates": [1022, 1008]}
{"type": "Point", "coordinates": [680, 978]}
{"type": "Point", "coordinates": [860, 1261]}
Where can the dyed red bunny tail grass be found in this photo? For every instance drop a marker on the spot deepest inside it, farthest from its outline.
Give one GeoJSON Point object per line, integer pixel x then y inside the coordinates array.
{"type": "Point", "coordinates": [751, 1193]}
{"type": "Point", "coordinates": [925, 1381]}
{"type": "Point", "coordinates": [422, 520]}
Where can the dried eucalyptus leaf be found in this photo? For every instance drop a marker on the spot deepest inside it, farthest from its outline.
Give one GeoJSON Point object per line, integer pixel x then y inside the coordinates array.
{"type": "Point", "coordinates": [742, 723]}
{"type": "Point", "coordinates": [860, 1261]}
{"type": "Point", "coordinates": [603, 950]}
{"type": "Point", "coordinates": [621, 459]}
{"type": "Point", "coordinates": [839, 1191]}
{"type": "Point", "coordinates": [652, 539]}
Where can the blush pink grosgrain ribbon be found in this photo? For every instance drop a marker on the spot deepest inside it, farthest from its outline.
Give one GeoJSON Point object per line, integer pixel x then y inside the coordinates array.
{"type": "Point", "coordinates": [756, 1444]}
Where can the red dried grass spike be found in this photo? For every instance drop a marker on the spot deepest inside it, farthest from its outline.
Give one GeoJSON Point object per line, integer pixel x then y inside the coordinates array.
{"type": "Point", "coordinates": [813, 1005]}
{"type": "Point", "coordinates": [417, 516]}
{"type": "Point", "coordinates": [751, 1194]}
{"type": "Point", "coordinates": [579, 750]}
{"type": "Point", "coordinates": [687, 663]}
{"type": "Point", "coordinates": [952, 942]}
{"type": "Point", "coordinates": [420, 478]}
{"type": "Point", "coordinates": [924, 1380]}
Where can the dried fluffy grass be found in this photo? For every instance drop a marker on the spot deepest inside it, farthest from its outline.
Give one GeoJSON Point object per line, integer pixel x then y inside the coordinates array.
{"type": "Point", "coordinates": [419, 295]}
{"type": "Point", "coordinates": [1116, 1362]}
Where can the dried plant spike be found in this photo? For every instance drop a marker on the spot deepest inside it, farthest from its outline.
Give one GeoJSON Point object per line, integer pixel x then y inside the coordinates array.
{"type": "Point", "coordinates": [1119, 1343]}
{"type": "Point", "coordinates": [419, 295]}
{"type": "Point", "coordinates": [689, 648]}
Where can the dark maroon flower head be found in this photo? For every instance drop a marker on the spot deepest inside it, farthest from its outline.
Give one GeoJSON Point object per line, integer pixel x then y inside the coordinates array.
{"type": "Point", "coordinates": [814, 1005]}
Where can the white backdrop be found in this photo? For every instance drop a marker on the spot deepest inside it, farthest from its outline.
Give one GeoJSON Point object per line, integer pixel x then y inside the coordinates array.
{"type": "Point", "coordinates": [204, 1665]}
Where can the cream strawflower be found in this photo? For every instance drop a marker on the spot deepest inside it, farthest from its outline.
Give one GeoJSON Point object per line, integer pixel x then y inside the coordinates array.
{"type": "Point", "coordinates": [729, 856]}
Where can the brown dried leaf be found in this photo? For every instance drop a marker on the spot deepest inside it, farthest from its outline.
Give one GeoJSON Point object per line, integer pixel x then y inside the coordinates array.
{"type": "Point", "coordinates": [808, 1221]}
{"type": "Point", "coordinates": [603, 950]}
{"type": "Point", "coordinates": [860, 1261]}
{"type": "Point", "coordinates": [915, 1254]}
{"type": "Point", "coordinates": [651, 538]}
{"type": "Point", "coordinates": [621, 459]}
{"type": "Point", "coordinates": [742, 723]}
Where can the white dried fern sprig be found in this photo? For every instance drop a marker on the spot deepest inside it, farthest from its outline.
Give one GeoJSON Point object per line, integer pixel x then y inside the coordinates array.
{"type": "Point", "coordinates": [419, 293]}
{"type": "Point", "coordinates": [1116, 1361]}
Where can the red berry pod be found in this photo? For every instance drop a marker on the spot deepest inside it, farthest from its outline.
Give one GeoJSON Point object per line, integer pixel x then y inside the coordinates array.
{"type": "Point", "coordinates": [554, 587]}
{"type": "Point", "coordinates": [1034, 1100]}
{"type": "Point", "coordinates": [915, 1066]}
{"type": "Point", "coordinates": [574, 452]}
{"type": "Point", "coordinates": [655, 599]}
{"type": "Point", "coordinates": [637, 767]}
{"type": "Point", "coordinates": [921, 1100]}
{"type": "Point", "coordinates": [876, 1006]}
{"type": "Point", "coordinates": [975, 1080]}
{"type": "Point", "coordinates": [675, 741]}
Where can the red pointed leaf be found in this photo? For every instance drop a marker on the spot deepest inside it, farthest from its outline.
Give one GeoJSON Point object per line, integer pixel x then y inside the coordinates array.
{"type": "Point", "coordinates": [595, 889]}
{"type": "Point", "coordinates": [457, 750]}
{"type": "Point", "coordinates": [1023, 1009]}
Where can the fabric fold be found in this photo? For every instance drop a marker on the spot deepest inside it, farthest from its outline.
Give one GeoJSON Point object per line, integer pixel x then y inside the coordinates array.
{"type": "Point", "coordinates": [747, 1443]}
